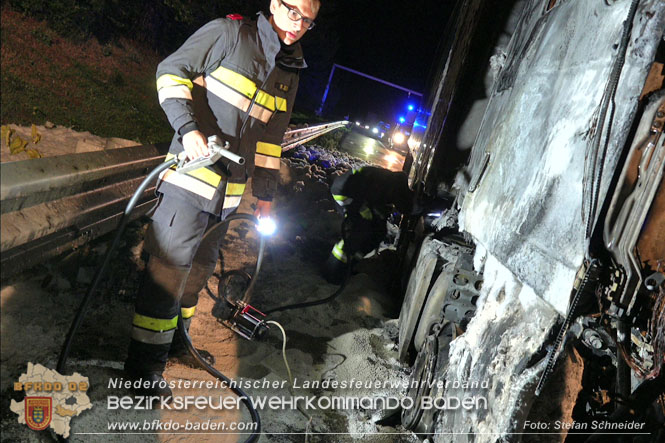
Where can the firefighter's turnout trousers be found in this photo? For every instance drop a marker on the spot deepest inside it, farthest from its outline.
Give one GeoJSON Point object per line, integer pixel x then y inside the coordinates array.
{"type": "Point", "coordinates": [179, 266]}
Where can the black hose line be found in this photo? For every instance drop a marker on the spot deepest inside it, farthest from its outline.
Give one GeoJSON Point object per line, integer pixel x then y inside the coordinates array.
{"type": "Point", "coordinates": [315, 302]}
{"type": "Point", "coordinates": [101, 270]}
{"type": "Point", "coordinates": [230, 218]}
{"type": "Point", "coordinates": [228, 274]}
{"type": "Point", "coordinates": [215, 373]}
{"type": "Point", "coordinates": [262, 246]}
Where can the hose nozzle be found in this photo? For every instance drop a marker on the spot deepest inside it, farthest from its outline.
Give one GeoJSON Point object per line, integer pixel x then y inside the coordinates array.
{"type": "Point", "coordinates": [215, 152]}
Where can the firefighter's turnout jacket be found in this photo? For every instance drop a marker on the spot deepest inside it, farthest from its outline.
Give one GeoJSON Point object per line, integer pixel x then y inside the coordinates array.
{"type": "Point", "coordinates": [366, 197]}
{"type": "Point", "coordinates": [233, 78]}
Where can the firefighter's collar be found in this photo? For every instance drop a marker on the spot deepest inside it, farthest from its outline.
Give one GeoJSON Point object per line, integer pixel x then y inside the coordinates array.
{"type": "Point", "coordinates": [289, 56]}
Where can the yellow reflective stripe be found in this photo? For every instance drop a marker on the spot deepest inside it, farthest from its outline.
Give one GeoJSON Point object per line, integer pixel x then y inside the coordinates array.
{"type": "Point", "coordinates": [155, 324]}
{"type": "Point", "coordinates": [166, 80]}
{"type": "Point", "coordinates": [227, 94]}
{"type": "Point", "coordinates": [235, 188]}
{"type": "Point", "coordinates": [366, 213]}
{"type": "Point", "coordinates": [231, 201]}
{"type": "Point", "coordinates": [247, 87]}
{"type": "Point", "coordinates": [339, 197]}
{"type": "Point", "coordinates": [233, 195]}
{"type": "Point", "coordinates": [266, 100]}
{"type": "Point", "coordinates": [280, 104]}
{"type": "Point", "coordinates": [238, 100]}
{"type": "Point", "coordinates": [269, 149]}
{"type": "Point", "coordinates": [187, 312]}
{"type": "Point", "coordinates": [338, 251]}
{"type": "Point", "coordinates": [231, 92]}
{"type": "Point", "coordinates": [237, 81]}
{"type": "Point", "coordinates": [189, 183]}
{"type": "Point", "coordinates": [179, 91]}
{"type": "Point", "coordinates": [267, 162]}
{"type": "Point", "coordinates": [204, 174]}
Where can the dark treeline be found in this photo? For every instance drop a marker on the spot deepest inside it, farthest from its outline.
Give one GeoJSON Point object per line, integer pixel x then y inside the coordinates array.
{"type": "Point", "coordinates": [161, 24]}
{"type": "Point", "coordinates": [164, 25]}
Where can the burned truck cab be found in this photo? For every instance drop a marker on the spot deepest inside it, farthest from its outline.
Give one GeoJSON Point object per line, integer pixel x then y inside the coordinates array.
{"type": "Point", "coordinates": [541, 291]}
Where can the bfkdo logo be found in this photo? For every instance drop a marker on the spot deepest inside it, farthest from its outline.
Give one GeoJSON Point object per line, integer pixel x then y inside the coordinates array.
{"type": "Point", "coordinates": [51, 399]}
{"type": "Point", "coordinates": [38, 412]}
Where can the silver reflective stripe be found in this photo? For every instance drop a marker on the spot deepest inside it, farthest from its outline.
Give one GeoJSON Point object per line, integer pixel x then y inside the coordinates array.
{"type": "Point", "coordinates": [179, 91]}
{"type": "Point", "coordinates": [152, 337]}
{"type": "Point", "coordinates": [189, 183]}
{"type": "Point", "coordinates": [261, 113]}
{"type": "Point", "coordinates": [338, 251]}
{"type": "Point", "coordinates": [232, 201]}
{"type": "Point", "coordinates": [265, 161]}
{"type": "Point", "coordinates": [237, 99]}
{"type": "Point", "coordinates": [187, 322]}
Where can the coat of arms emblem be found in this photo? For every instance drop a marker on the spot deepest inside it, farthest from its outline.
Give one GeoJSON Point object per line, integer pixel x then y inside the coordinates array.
{"type": "Point", "coordinates": [38, 412]}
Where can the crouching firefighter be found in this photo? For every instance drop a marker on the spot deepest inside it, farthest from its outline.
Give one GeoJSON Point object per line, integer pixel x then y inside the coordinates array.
{"type": "Point", "coordinates": [236, 79]}
{"type": "Point", "coordinates": [367, 197]}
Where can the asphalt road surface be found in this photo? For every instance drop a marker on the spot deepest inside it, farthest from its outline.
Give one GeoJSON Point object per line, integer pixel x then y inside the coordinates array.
{"type": "Point", "coordinates": [371, 150]}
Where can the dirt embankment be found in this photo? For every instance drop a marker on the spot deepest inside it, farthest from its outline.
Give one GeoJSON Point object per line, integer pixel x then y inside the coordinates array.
{"type": "Point", "coordinates": [108, 89]}
{"type": "Point", "coordinates": [50, 140]}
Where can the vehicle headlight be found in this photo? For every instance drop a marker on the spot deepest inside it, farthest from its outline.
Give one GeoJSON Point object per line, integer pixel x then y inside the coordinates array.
{"type": "Point", "coordinates": [390, 158]}
{"type": "Point", "coordinates": [398, 138]}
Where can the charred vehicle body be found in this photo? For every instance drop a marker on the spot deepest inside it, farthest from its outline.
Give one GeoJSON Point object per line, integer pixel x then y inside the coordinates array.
{"type": "Point", "coordinates": [539, 296]}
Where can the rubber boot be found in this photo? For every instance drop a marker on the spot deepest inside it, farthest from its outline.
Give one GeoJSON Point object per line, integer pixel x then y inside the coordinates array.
{"type": "Point", "coordinates": [196, 281]}
{"type": "Point", "coordinates": [154, 325]}
{"type": "Point", "coordinates": [335, 270]}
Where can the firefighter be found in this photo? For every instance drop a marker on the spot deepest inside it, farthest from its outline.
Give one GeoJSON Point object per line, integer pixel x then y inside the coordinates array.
{"type": "Point", "coordinates": [367, 197]}
{"type": "Point", "coordinates": [235, 78]}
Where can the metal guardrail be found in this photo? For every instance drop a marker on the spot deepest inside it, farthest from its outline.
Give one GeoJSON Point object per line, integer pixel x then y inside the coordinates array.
{"type": "Point", "coordinates": [54, 204]}
{"type": "Point", "coordinates": [297, 137]}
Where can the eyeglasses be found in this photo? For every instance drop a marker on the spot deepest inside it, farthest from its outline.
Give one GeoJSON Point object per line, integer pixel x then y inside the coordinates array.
{"type": "Point", "coordinates": [293, 14]}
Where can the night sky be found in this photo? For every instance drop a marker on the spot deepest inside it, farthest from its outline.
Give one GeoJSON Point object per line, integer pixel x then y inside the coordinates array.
{"type": "Point", "coordinates": [393, 40]}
